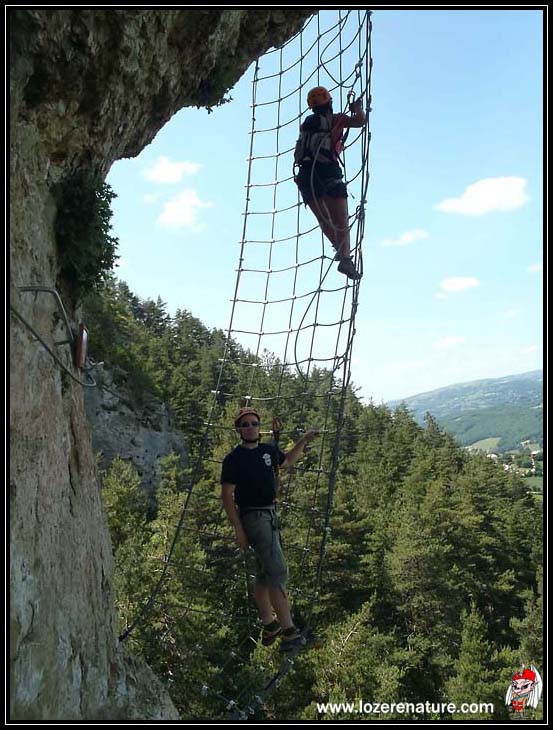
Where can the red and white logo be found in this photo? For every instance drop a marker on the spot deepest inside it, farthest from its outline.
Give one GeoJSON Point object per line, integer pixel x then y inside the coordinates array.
{"type": "Point", "coordinates": [525, 689]}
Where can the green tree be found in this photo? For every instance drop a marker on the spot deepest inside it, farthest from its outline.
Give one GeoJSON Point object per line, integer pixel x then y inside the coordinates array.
{"type": "Point", "coordinates": [125, 502]}
{"type": "Point", "coordinates": [529, 629]}
{"type": "Point", "coordinates": [127, 508]}
{"type": "Point", "coordinates": [472, 680]}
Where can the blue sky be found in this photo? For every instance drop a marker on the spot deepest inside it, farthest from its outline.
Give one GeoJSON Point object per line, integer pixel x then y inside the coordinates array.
{"type": "Point", "coordinates": [453, 245]}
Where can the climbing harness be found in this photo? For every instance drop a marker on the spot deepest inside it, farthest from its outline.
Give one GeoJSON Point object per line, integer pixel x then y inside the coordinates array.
{"type": "Point", "coordinates": [315, 140]}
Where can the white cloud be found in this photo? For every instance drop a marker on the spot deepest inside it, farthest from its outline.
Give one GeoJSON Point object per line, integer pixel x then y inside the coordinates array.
{"type": "Point", "coordinates": [535, 268]}
{"type": "Point", "coordinates": [151, 197]}
{"type": "Point", "coordinates": [447, 342]}
{"type": "Point", "coordinates": [458, 283]}
{"type": "Point", "coordinates": [489, 194]}
{"type": "Point", "coordinates": [440, 295]}
{"type": "Point", "coordinates": [530, 350]}
{"type": "Point", "coordinates": [406, 238]}
{"type": "Point", "coordinates": [511, 313]}
{"type": "Point", "coordinates": [166, 171]}
{"type": "Point", "coordinates": [182, 211]}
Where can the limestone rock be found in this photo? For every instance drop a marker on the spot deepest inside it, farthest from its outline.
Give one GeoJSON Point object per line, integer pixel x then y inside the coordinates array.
{"type": "Point", "coordinates": [140, 433]}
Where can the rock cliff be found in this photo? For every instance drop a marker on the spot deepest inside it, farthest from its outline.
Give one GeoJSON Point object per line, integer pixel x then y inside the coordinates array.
{"type": "Point", "coordinates": [87, 87]}
{"type": "Point", "coordinates": [140, 433]}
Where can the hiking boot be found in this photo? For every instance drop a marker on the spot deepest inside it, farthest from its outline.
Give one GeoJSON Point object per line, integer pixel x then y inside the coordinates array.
{"type": "Point", "coordinates": [289, 638]}
{"type": "Point", "coordinates": [270, 632]}
{"type": "Point", "coordinates": [347, 267]}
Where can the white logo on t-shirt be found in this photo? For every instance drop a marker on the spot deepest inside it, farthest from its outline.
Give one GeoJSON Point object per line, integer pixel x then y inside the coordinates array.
{"type": "Point", "coordinates": [267, 459]}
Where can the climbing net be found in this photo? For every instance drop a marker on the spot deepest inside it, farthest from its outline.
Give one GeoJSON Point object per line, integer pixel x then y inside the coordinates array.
{"type": "Point", "coordinates": [294, 317]}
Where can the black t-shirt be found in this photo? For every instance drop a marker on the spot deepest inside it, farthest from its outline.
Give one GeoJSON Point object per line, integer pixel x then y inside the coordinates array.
{"type": "Point", "coordinates": [252, 471]}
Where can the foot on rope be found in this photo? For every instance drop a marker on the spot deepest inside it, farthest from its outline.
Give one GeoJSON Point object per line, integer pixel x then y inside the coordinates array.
{"type": "Point", "coordinates": [303, 639]}
{"type": "Point", "coordinates": [290, 638]}
{"type": "Point", "coordinates": [347, 267]}
{"type": "Point", "coordinates": [270, 632]}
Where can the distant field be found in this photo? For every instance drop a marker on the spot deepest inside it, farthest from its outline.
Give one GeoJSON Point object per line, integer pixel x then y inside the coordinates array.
{"type": "Point", "coordinates": [489, 444]}
{"type": "Point", "coordinates": [535, 483]}
{"type": "Point", "coordinates": [533, 447]}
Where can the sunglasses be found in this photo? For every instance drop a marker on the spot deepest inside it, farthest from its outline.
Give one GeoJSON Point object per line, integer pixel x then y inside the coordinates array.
{"type": "Point", "coordinates": [246, 424]}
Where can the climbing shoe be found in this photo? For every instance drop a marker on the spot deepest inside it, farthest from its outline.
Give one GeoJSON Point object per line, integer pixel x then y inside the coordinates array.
{"type": "Point", "coordinates": [290, 638]}
{"type": "Point", "coordinates": [270, 632]}
{"type": "Point", "coordinates": [347, 267]}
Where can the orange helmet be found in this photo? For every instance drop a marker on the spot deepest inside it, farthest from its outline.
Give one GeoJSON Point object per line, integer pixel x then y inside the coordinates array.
{"type": "Point", "coordinates": [245, 412]}
{"type": "Point", "coordinates": [318, 95]}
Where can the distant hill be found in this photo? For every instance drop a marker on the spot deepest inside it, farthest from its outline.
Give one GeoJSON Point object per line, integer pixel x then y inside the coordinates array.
{"type": "Point", "coordinates": [509, 410]}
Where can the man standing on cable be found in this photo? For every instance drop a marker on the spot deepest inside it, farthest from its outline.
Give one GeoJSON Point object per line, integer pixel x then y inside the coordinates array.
{"type": "Point", "coordinates": [249, 489]}
{"type": "Point", "coordinates": [320, 178]}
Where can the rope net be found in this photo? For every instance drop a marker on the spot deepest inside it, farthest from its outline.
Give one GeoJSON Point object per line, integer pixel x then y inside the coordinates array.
{"type": "Point", "coordinates": [293, 316]}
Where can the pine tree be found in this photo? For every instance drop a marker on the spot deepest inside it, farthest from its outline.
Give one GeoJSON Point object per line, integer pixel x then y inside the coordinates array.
{"type": "Point", "coordinates": [127, 508]}
{"type": "Point", "coordinates": [472, 681]}
{"type": "Point", "coordinates": [529, 629]}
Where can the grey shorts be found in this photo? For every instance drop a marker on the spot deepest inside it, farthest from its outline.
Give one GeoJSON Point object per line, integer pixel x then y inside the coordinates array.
{"type": "Point", "coordinates": [261, 527]}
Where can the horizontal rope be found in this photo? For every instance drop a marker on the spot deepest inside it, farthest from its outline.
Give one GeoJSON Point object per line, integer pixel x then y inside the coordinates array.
{"type": "Point", "coordinates": [274, 156]}
{"type": "Point", "coordinates": [289, 299]}
{"type": "Point", "coordinates": [273, 397]}
{"type": "Point", "coordinates": [298, 265]}
{"type": "Point", "coordinates": [277, 210]}
{"type": "Point", "coordinates": [291, 329]}
{"type": "Point", "coordinates": [283, 365]}
{"type": "Point", "coordinates": [301, 58]}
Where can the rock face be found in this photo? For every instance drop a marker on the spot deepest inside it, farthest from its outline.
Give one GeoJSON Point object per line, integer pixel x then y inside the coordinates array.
{"type": "Point", "coordinates": [143, 434]}
{"type": "Point", "coordinates": [87, 87]}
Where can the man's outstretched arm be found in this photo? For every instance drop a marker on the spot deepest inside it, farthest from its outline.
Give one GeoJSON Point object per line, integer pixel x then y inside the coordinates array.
{"type": "Point", "coordinates": [297, 450]}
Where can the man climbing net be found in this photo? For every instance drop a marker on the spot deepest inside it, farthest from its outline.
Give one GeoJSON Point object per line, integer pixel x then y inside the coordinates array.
{"type": "Point", "coordinates": [249, 490]}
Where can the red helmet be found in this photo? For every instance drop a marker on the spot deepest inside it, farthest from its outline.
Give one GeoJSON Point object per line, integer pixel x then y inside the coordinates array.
{"type": "Point", "coordinates": [317, 96]}
{"type": "Point", "coordinates": [245, 412]}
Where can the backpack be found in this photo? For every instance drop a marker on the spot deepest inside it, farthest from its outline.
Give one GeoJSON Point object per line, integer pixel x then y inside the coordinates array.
{"type": "Point", "coordinates": [315, 140]}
